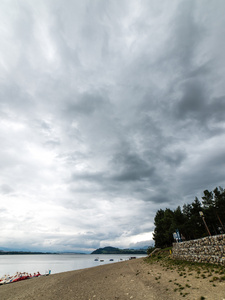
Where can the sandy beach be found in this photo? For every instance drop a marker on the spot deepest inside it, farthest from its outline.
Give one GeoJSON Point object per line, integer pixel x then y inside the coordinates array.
{"type": "Point", "coordinates": [133, 279]}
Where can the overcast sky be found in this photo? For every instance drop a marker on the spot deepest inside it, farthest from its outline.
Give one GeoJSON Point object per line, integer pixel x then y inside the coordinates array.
{"type": "Point", "coordinates": [109, 111]}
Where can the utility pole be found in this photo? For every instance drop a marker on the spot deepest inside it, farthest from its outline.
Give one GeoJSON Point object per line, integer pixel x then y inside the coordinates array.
{"type": "Point", "coordinates": [202, 216]}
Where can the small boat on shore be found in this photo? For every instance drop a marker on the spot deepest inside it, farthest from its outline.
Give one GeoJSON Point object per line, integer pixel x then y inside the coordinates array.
{"type": "Point", "coordinates": [17, 277]}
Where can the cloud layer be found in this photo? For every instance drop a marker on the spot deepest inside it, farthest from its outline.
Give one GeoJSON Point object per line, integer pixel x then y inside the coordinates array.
{"type": "Point", "coordinates": [108, 112]}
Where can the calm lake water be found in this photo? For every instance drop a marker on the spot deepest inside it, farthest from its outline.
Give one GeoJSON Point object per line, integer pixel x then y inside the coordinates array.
{"type": "Point", "coordinates": [57, 263]}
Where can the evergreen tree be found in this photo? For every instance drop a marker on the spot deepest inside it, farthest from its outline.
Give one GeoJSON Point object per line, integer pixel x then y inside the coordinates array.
{"type": "Point", "coordinates": [188, 220]}
{"type": "Point", "coordinates": [163, 234]}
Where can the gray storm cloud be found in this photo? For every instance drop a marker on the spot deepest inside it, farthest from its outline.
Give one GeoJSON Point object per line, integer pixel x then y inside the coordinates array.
{"type": "Point", "coordinates": [108, 112]}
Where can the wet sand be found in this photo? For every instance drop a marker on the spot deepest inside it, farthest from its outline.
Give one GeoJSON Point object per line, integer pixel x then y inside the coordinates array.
{"type": "Point", "coordinates": [134, 279]}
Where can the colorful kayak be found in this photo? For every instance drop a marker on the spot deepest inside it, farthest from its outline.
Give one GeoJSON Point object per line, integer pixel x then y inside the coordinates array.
{"type": "Point", "coordinates": [17, 277]}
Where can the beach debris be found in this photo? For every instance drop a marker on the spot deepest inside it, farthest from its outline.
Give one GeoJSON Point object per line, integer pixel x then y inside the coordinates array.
{"type": "Point", "coordinates": [17, 277]}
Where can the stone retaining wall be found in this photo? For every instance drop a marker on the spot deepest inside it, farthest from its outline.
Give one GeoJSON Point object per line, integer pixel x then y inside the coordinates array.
{"type": "Point", "coordinates": [209, 250]}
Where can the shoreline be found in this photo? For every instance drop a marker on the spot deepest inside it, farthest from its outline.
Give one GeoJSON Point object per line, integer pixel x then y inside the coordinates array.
{"type": "Point", "coordinates": [56, 263]}
{"type": "Point", "coordinates": [132, 279]}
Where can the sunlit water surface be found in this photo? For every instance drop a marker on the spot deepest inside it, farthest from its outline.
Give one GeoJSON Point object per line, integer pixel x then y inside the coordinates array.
{"type": "Point", "coordinates": [57, 263]}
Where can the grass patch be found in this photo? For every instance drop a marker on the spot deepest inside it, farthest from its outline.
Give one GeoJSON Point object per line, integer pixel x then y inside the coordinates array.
{"type": "Point", "coordinates": [187, 268]}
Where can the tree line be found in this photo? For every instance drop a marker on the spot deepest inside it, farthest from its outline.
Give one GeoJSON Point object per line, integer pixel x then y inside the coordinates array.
{"type": "Point", "coordinates": [189, 222]}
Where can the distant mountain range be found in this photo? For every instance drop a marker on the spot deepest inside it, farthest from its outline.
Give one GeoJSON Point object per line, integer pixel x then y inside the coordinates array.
{"type": "Point", "coordinates": [3, 252]}
{"type": "Point", "coordinates": [14, 252]}
{"type": "Point", "coordinates": [105, 250]}
{"type": "Point", "coordinates": [113, 250]}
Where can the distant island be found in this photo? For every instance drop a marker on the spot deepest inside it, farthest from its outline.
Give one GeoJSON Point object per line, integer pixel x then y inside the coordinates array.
{"type": "Point", "coordinates": [113, 250]}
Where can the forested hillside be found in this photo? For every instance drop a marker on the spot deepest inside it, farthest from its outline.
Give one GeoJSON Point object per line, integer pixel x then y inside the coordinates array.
{"type": "Point", "coordinates": [188, 220]}
{"type": "Point", "coordinates": [113, 250]}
